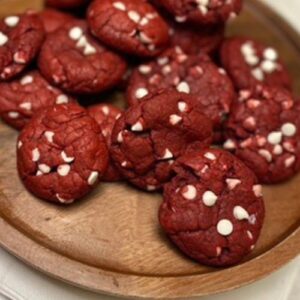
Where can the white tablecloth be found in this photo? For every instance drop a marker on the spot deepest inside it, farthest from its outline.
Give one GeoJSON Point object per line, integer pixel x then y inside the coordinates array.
{"type": "Point", "coordinates": [19, 282]}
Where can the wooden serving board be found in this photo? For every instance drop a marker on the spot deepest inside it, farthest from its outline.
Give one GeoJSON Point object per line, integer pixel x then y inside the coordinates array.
{"type": "Point", "coordinates": [111, 241]}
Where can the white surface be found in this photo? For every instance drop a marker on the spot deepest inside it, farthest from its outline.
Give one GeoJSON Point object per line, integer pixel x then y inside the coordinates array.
{"type": "Point", "coordinates": [19, 282]}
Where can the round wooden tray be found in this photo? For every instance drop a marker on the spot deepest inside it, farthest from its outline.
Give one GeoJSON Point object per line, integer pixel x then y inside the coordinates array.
{"type": "Point", "coordinates": [111, 241]}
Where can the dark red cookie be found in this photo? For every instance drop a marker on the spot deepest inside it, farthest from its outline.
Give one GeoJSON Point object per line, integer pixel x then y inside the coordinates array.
{"type": "Point", "coordinates": [106, 115]}
{"type": "Point", "coordinates": [213, 209]}
{"type": "Point", "coordinates": [149, 136]}
{"type": "Point", "coordinates": [66, 4]}
{"type": "Point", "coordinates": [22, 98]}
{"type": "Point", "coordinates": [191, 74]}
{"type": "Point", "coordinates": [21, 37]}
{"type": "Point", "coordinates": [249, 62]}
{"type": "Point", "coordinates": [53, 19]}
{"type": "Point", "coordinates": [74, 61]}
{"type": "Point", "coordinates": [61, 154]}
{"type": "Point", "coordinates": [131, 26]}
{"type": "Point", "coordinates": [264, 131]}
{"type": "Point", "coordinates": [193, 40]}
{"type": "Point", "coordinates": [203, 11]}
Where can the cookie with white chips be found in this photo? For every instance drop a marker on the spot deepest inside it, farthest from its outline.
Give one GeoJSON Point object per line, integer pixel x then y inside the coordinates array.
{"type": "Point", "coordinates": [263, 130]}
{"type": "Point", "coordinates": [202, 12]}
{"type": "Point", "coordinates": [213, 209]}
{"type": "Point", "coordinates": [249, 63]}
{"type": "Point", "coordinates": [21, 37]}
{"type": "Point", "coordinates": [150, 136]}
{"type": "Point", "coordinates": [76, 62]}
{"type": "Point", "coordinates": [21, 98]}
{"type": "Point", "coordinates": [196, 75]}
{"type": "Point", "coordinates": [61, 154]}
{"type": "Point", "coordinates": [131, 26]}
{"type": "Point", "coordinates": [106, 116]}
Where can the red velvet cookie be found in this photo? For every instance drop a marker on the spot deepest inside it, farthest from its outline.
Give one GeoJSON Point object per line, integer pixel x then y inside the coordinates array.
{"type": "Point", "coordinates": [193, 40]}
{"type": "Point", "coordinates": [190, 74]}
{"type": "Point", "coordinates": [21, 37]}
{"type": "Point", "coordinates": [53, 19]}
{"type": "Point", "coordinates": [264, 132]}
{"type": "Point", "coordinates": [22, 98]}
{"type": "Point", "coordinates": [202, 11]}
{"type": "Point", "coordinates": [249, 62]}
{"type": "Point", "coordinates": [213, 209]}
{"type": "Point", "coordinates": [131, 26]}
{"type": "Point", "coordinates": [74, 61]}
{"type": "Point", "coordinates": [149, 136]}
{"type": "Point", "coordinates": [106, 115]}
{"type": "Point", "coordinates": [61, 154]}
{"type": "Point", "coordinates": [66, 4]}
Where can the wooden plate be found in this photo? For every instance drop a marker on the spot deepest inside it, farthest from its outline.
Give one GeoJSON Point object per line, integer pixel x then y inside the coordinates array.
{"type": "Point", "coordinates": [111, 241]}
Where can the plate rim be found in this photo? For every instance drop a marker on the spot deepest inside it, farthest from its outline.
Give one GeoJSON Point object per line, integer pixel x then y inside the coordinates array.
{"type": "Point", "coordinates": [142, 286]}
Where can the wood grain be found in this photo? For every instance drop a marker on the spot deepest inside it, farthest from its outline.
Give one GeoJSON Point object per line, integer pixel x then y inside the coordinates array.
{"type": "Point", "coordinates": [111, 241]}
{"type": "Point", "coordinates": [8, 7]}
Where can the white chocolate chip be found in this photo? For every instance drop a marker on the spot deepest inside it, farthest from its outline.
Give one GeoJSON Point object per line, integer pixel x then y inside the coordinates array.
{"type": "Point", "coordinates": [26, 105]}
{"type": "Point", "coordinates": [35, 154]}
{"type": "Point", "coordinates": [180, 19]}
{"type": "Point", "coordinates": [210, 156]}
{"type": "Point", "coordinates": [182, 106]}
{"type": "Point", "coordinates": [62, 200]}
{"type": "Point", "coordinates": [49, 136]}
{"type": "Point", "coordinates": [175, 119]}
{"type": "Point", "coordinates": [93, 178]}
{"type": "Point", "coordinates": [144, 38]}
{"type": "Point", "coordinates": [82, 42]}
{"type": "Point", "coordinates": [289, 161]}
{"type": "Point", "coordinates": [183, 87]}
{"type": "Point", "coordinates": [141, 93]}
{"type": "Point", "coordinates": [209, 198]}
{"type": "Point", "coordinates": [250, 235]}
{"type": "Point", "coordinates": [278, 150]}
{"type": "Point", "coordinates": [3, 39]}
{"type": "Point", "coordinates": [120, 137]}
{"type": "Point", "coordinates": [75, 33]}
{"type": "Point", "coordinates": [258, 74]}
{"type": "Point", "coordinates": [151, 188]}
{"type": "Point", "coordinates": [229, 145]}
{"type": "Point", "coordinates": [66, 158]}
{"type": "Point", "coordinates": [20, 144]}
{"type": "Point", "coordinates": [218, 251]}
{"type": "Point", "coordinates": [12, 21]}
{"type": "Point", "coordinates": [288, 129]}
{"type": "Point", "coordinates": [63, 170]}
{"type": "Point", "coordinates": [89, 50]}
{"type": "Point", "coordinates": [62, 99]}
{"type": "Point", "coordinates": [144, 21]}
{"type": "Point", "coordinates": [134, 16]}
{"type": "Point", "coordinates": [265, 154]}
{"type": "Point", "coordinates": [252, 219]}
{"type": "Point", "coordinates": [275, 137]}
{"type": "Point", "coordinates": [224, 227]}
{"type": "Point", "coordinates": [189, 192]}
{"type": "Point", "coordinates": [39, 173]}
{"type": "Point", "coordinates": [45, 169]}
{"type": "Point", "coordinates": [124, 164]}
{"type": "Point", "coordinates": [232, 183]}
{"type": "Point", "coordinates": [138, 126]}
{"type": "Point", "coordinates": [18, 58]}
{"type": "Point", "coordinates": [162, 60]}
{"type": "Point", "coordinates": [268, 66]}
{"type": "Point", "coordinates": [240, 213]}
{"type": "Point", "coordinates": [270, 54]}
{"type": "Point", "coordinates": [105, 110]}
{"type": "Point", "coordinates": [13, 114]}
{"type": "Point", "coordinates": [145, 69]}
{"type": "Point", "coordinates": [257, 190]}
{"type": "Point", "coordinates": [26, 80]}
{"type": "Point", "coordinates": [167, 154]}
{"type": "Point", "coordinates": [119, 5]}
